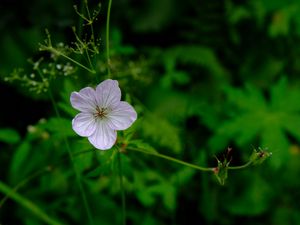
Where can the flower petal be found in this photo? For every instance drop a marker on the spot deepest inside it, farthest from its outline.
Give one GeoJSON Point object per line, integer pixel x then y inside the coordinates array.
{"type": "Point", "coordinates": [84, 100]}
{"type": "Point", "coordinates": [104, 137]}
{"type": "Point", "coordinates": [108, 93]}
{"type": "Point", "coordinates": [122, 116]}
{"type": "Point", "coordinates": [84, 124]}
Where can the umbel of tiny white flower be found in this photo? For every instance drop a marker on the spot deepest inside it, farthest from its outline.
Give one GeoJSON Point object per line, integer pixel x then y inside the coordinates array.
{"type": "Point", "coordinates": [102, 113]}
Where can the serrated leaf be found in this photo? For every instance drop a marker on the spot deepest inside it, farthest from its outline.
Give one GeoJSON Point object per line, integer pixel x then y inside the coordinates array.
{"type": "Point", "coordinates": [284, 98]}
{"type": "Point", "coordinates": [253, 118]}
{"type": "Point", "coordinates": [249, 99]}
{"type": "Point", "coordinates": [273, 137]}
{"type": "Point", "coordinates": [278, 94]}
{"type": "Point", "coordinates": [197, 55]}
{"type": "Point", "coordinates": [292, 124]}
{"type": "Point", "coordinates": [151, 187]}
{"type": "Point", "coordinates": [162, 132]}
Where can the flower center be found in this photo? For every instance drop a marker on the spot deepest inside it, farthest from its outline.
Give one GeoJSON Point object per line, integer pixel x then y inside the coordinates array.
{"type": "Point", "coordinates": [101, 112]}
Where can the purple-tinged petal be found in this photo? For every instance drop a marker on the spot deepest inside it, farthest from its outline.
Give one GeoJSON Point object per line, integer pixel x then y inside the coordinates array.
{"type": "Point", "coordinates": [84, 100]}
{"type": "Point", "coordinates": [108, 94]}
{"type": "Point", "coordinates": [104, 137]}
{"type": "Point", "coordinates": [84, 124]}
{"type": "Point", "coordinates": [122, 116]}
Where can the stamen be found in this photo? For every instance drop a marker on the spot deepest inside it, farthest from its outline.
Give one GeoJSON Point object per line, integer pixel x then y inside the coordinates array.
{"type": "Point", "coordinates": [101, 112]}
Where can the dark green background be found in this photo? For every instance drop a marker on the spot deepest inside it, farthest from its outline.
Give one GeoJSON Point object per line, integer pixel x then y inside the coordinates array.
{"type": "Point", "coordinates": [203, 76]}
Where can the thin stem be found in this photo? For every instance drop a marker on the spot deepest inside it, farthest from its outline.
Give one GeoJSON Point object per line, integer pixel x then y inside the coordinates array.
{"type": "Point", "coordinates": [206, 169]}
{"type": "Point", "coordinates": [240, 167]}
{"type": "Point", "coordinates": [28, 204]}
{"type": "Point", "coordinates": [89, 60]}
{"type": "Point", "coordinates": [90, 21]}
{"type": "Point", "coordinates": [83, 195]}
{"type": "Point", "coordinates": [86, 49]}
{"type": "Point", "coordinates": [53, 50]}
{"type": "Point", "coordinates": [23, 182]}
{"type": "Point", "coordinates": [122, 188]}
{"type": "Point", "coordinates": [39, 173]}
{"type": "Point", "coordinates": [107, 38]}
{"type": "Point", "coordinates": [80, 19]}
{"type": "Point", "coordinates": [77, 175]}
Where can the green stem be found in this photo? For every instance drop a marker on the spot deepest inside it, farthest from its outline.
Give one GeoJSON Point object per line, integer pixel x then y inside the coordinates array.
{"type": "Point", "coordinates": [53, 50]}
{"type": "Point", "coordinates": [80, 24]}
{"type": "Point", "coordinates": [27, 204]}
{"type": "Point", "coordinates": [78, 178]}
{"type": "Point", "coordinates": [23, 182]}
{"type": "Point", "coordinates": [90, 21]}
{"type": "Point", "coordinates": [240, 167]}
{"type": "Point", "coordinates": [206, 169]}
{"type": "Point", "coordinates": [89, 59]}
{"type": "Point", "coordinates": [107, 38]}
{"type": "Point", "coordinates": [77, 175]}
{"type": "Point", "coordinates": [122, 188]}
{"type": "Point", "coordinates": [40, 172]}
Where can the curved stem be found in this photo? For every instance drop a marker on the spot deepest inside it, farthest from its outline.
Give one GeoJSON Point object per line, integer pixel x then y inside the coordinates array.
{"type": "Point", "coordinates": [240, 167]}
{"type": "Point", "coordinates": [107, 37]}
{"type": "Point", "coordinates": [206, 169]}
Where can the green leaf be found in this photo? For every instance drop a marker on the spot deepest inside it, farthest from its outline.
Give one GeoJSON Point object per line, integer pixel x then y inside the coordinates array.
{"type": "Point", "coordinates": [151, 187]}
{"type": "Point", "coordinates": [29, 205]}
{"type": "Point", "coordinates": [253, 200]}
{"type": "Point", "coordinates": [274, 138]}
{"type": "Point", "coordinates": [162, 132]}
{"type": "Point", "coordinates": [196, 54]}
{"type": "Point", "coordinates": [142, 145]}
{"type": "Point", "coordinates": [19, 160]}
{"type": "Point", "coordinates": [67, 108]}
{"type": "Point", "coordinates": [60, 127]}
{"type": "Point", "coordinates": [249, 99]}
{"type": "Point", "coordinates": [292, 123]}
{"type": "Point", "coordinates": [285, 98]}
{"type": "Point", "coordinates": [107, 161]}
{"type": "Point", "coordinates": [254, 119]}
{"type": "Point", "coordinates": [9, 136]}
{"type": "Point", "coordinates": [83, 161]}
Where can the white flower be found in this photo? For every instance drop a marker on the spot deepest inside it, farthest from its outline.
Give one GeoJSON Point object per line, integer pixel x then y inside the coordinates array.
{"type": "Point", "coordinates": [102, 113]}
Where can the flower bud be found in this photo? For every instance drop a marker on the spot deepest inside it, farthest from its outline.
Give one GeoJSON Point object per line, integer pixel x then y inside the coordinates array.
{"type": "Point", "coordinates": [221, 172]}
{"type": "Point", "coordinates": [258, 156]}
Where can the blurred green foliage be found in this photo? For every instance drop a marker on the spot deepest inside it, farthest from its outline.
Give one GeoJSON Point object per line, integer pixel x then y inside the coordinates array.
{"type": "Point", "coordinates": [202, 75]}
